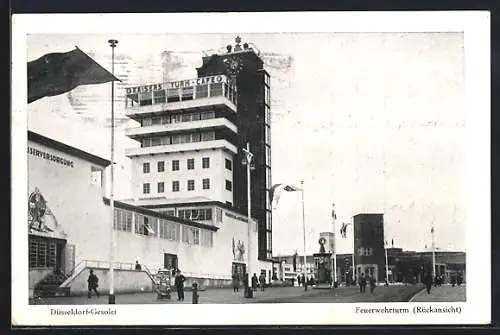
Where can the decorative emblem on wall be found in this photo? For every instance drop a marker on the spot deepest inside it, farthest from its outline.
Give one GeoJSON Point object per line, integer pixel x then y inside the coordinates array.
{"type": "Point", "coordinates": [238, 250]}
{"type": "Point", "coordinates": [37, 207]}
{"type": "Point", "coordinates": [40, 217]}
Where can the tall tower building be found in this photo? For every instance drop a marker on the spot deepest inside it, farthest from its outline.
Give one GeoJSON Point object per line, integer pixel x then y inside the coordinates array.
{"type": "Point", "coordinates": [242, 63]}
{"type": "Point", "coordinates": [369, 245]}
{"type": "Point", "coordinates": [192, 132]}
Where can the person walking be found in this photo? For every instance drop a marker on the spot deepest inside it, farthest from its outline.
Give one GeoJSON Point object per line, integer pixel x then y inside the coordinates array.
{"type": "Point", "coordinates": [362, 283]}
{"type": "Point", "coordinates": [373, 283]}
{"type": "Point", "coordinates": [179, 285]}
{"type": "Point", "coordinates": [93, 284]}
{"type": "Point", "coordinates": [262, 281]}
{"type": "Point", "coordinates": [236, 282]}
{"type": "Point", "coordinates": [427, 280]}
{"type": "Point", "coordinates": [299, 281]}
{"type": "Point", "coordinates": [255, 282]}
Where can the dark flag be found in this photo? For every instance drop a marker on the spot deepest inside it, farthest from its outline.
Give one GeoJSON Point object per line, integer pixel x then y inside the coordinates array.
{"type": "Point", "coordinates": [58, 73]}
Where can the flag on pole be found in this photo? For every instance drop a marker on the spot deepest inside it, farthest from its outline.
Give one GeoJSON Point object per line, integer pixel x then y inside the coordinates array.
{"type": "Point", "coordinates": [392, 243]}
{"type": "Point", "coordinates": [334, 215]}
{"type": "Point", "coordinates": [275, 192]}
{"type": "Point", "coordinates": [343, 230]}
{"type": "Point", "coordinates": [432, 230]}
{"type": "Point", "coordinates": [58, 73]}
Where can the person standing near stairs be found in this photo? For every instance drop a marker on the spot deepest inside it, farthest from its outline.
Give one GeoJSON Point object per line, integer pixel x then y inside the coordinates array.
{"type": "Point", "coordinates": [93, 284]}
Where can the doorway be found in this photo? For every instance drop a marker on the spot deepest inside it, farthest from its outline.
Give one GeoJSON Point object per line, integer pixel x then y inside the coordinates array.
{"type": "Point", "coordinates": [170, 261]}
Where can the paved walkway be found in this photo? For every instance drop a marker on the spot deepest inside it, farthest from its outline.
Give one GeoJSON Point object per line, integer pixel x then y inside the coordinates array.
{"type": "Point", "coordinates": [270, 295]}
{"type": "Point", "coordinates": [445, 293]}
{"type": "Point", "coordinates": [210, 296]}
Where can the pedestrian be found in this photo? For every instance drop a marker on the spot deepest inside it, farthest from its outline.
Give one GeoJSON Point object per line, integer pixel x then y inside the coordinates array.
{"type": "Point", "coordinates": [236, 282]}
{"type": "Point", "coordinates": [255, 282]}
{"type": "Point", "coordinates": [373, 283]}
{"type": "Point", "coordinates": [299, 280]}
{"type": "Point", "coordinates": [362, 283]}
{"type": "Point", "coordinates": [262, 281]}
{"type": "Point", "coordinates": [303, 280]}
{"type": "Point", "coordinates": [427, 280]}
{"type": "Point", "coordinates": [93, 284]}
{"type": "Point", "coordinates": [179, 285]}
{"type": "Point", "coordinates": [137, 266]}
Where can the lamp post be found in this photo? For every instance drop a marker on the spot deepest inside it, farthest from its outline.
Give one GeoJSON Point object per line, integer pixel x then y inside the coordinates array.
{"type": "Point", "coordinates": [334, 253]}
{"type": "Point", "coordinates": [248, 162]}
{"type": "Point", "coordinates": [304, 230]}
{"type": "Point", "coordinates": [433, 252]}
{"type": "Point", "coordinates": [111, 296]}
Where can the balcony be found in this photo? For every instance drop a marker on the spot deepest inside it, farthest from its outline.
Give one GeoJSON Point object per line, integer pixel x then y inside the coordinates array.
{"type": "Point", "coordinates": [209, 124]}
{"type": "Point", "coordinates": [194, 146]}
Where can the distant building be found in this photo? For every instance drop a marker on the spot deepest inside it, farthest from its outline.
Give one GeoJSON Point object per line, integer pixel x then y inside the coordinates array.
{"type": "Point", "coordinates": [369, 245]}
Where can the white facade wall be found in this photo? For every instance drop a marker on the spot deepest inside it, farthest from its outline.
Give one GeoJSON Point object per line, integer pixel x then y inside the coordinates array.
{"type": "Point", "coordinates": [217, 173]}
{"type": "Point", "coordinates": [75, 202]}
{"type": "Point", "coordinates": [194, 260]}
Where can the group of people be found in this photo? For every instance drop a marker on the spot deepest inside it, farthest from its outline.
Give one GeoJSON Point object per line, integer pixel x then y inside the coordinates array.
{"type": "Point", "coordinates": [303, 281]}
{"type": "Point", "coordinates": [256, 282]}
{"type": "Point", "coordinates": [364, 280]}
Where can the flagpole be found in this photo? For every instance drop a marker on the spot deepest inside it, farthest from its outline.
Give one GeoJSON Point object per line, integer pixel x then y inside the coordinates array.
{"type": "Point", "coordinates": [248, 160]}
{"type": "Point", "coordinates": [433, 252]}
{"type": "Point", "coordinates": [353, 254]}
{"type": "Point", "coordinates": [111, 297]}
{"type": "Point", "coordinates": [334, 252]}
{"type": "Point", "coordinates": [303, 228]}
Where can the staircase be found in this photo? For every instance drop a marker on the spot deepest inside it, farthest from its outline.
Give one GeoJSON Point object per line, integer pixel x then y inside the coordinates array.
{"type": "Point", "coordinates": [50, 286]}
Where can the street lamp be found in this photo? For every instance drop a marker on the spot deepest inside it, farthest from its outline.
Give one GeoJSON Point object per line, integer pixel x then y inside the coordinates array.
{"type": "Point", "coordinates": [247, 160]}
{"type": "Point", "coordinates": [111, 296]}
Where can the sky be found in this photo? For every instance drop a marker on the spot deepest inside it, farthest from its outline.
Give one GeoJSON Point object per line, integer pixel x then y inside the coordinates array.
{"type": "Point", "coordinates": [373, 122]}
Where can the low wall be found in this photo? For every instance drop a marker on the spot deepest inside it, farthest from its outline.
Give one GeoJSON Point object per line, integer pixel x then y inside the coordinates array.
{"type": "Point", "coordinates": [125, 281]}
{"type": "Point", "coordinates": [204, 283]}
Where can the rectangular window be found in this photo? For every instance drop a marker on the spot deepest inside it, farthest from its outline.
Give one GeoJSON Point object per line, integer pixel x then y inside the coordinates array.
{"type": "Point", "coordinates": [165, 140]}
{"type": "Point", "coordinates": [195, 137]}
{"type": "Point", "coordinates": [268, 135]}
{"type": "Point", "coordinates": [195, 214]}
{"type": "Point", "coordinates": [190, 185]}
{"type": "Point", "coordinates": [145, 167]}
{"type": "Point", "coordinates": [145, 225]}
{"type": "Point", "coordinates": [175, 139]}
{"type": "Point", "coordinates": [269, 224]}
{"type": "Point", "coordinates": [123, 220]}
{"type": "Point", "coordinates": [175, 165]}
{"type": "Point", "coordinates": [176, 118]}
{"type": "Point", "coordinates": [201, 91]}
{"type": "Point", "coordinates": [159, 96]}
{"type": "Point", "coordinates": [207, 115]}
{"type": "Point", "coordinates": [147, 121]}
{"type": "Point", "coordinates": [172, 95]}
{"type": "Point", "coordinates": [268, 155]}
{"type": "Point", "coordinates": [206, 183]}
{"type": "Point", "coordinates": [145, 142]}
{"type": "Point", "coordinates": [190, 164]}
{"type": "Point", "coordinates": [146, 98]}
{"type": "Point", "coordinates": [175, 186]}
{"type": "Point", "coordinates": [187, 93]}
{"type": "Point", "coordinates": [145, 188]}
{"type": "Point", "coordinates": [161, 187]}
{"type": "Point", "coordinates": [216, 90]}
{"type": "Point", "coordinates": [161, 166]}
{"type": "Point", "coordinates": [219, 214]}
{"type": "Point", "coordinates": [169, 230]}
{"type": "Point", "coordinates": [206, 238]}
{"type": "Point", "coordinates": [205, 162]}
{"type": "Point", "coordinates": [155, 141]}
{"type": "Point", "coordinates": [208, 136]}
{"type": "Point", "coordinates": [186, 117]}
{"type": "Point", "coordinates": [229, 164]}
{"type": "Point", "coordinates": [195, 116]}
{"type": "Point", "coordinates": [229, 185]}
{"type": "Point", "coordinates": [156, 120]}
{"type": "Point", "coordinates": [165, 119]}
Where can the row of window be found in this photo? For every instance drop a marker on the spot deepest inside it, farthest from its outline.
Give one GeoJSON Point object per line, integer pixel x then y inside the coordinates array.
{"type": "Point", "coordinates": [177, 118]}
{"type": "Point", "coordinates": [195, 214]}
{"type": "Point", "coordinates": [190, 164]}
{"type": "Point", "coordinates": [190, 183]}
{"type": "Point", "coordinates": [178, 139]}
{"type": "Point", "coordinates": [151, 226]}
{"type": "Point", "coordinates": [181, 94]}
{"type": "Point", "coordinates": [365, 251]}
